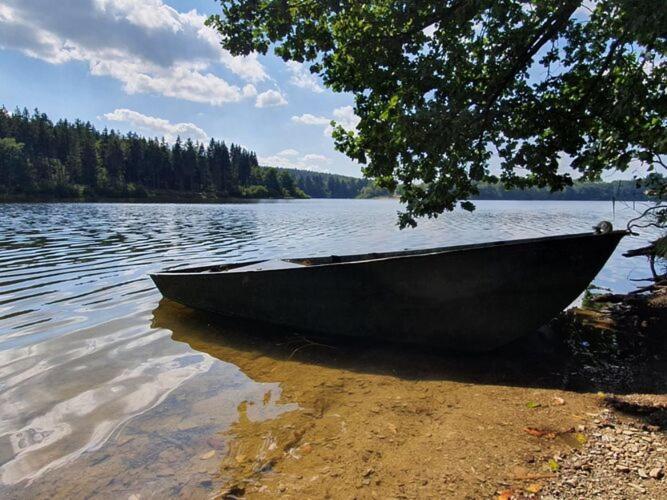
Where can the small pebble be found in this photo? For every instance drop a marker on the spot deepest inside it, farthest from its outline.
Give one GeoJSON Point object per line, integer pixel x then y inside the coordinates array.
{"type": "Point", "coordinates": [656, 473]}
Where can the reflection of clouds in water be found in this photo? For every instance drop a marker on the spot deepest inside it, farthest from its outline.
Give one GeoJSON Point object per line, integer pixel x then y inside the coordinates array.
{"type": "Point", "coordinates": [65, 396]}
{"type": "Point", "coordinates": [85, 421]}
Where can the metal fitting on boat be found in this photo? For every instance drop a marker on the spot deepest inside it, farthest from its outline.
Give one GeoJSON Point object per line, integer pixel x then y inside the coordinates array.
{"type": "Point", "coordinates": [603, 227]}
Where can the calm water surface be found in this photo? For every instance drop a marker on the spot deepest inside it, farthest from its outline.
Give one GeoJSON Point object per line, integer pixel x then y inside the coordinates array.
{"type": "Point", "coordinates": [90, 375]}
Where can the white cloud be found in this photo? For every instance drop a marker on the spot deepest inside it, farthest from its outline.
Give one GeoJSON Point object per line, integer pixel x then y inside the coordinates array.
{"type": "Point", "coordinates": [152, 14]}
{"type": "Point", "coordinates": [302, 77]}
{"type": "Point", "coordinates": [290, 158]}
{"type": "Point", "coordinates": [159, 126]}
{"type": "Point", "coordinates": [316, 158]}
{"type": "Point", "coordinates": [343, 116]}
{"type": "Point", "coordinates": [270, 99]}
{"type": "Point", "coordinates": [247, 67]}
{"type": "Point", "coordinates": [288, 152]}
{"type": "Point", "coordinates": [148, 46]}
{"type": "Point", "coordinates": [308, 119]}
{"type": "Point", "coordinates": [6, 14]}
{"type": "Point", "coordinates": [346, 118]}
{"type": "Point", "coordinates": [179, 81]}
{"type": "Point", "coordinates": [249, 90]}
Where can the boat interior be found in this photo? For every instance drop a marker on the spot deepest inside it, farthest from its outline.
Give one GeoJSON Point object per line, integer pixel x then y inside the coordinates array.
{"type": "Point", "coordinates": [276, 264]}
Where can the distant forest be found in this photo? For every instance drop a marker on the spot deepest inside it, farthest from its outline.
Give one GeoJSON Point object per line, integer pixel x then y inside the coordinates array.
{"type": "Point", "coordinates": [40, 159]}
{"type": "Point", "coordinates": [321, 185]}
{"type": "Point", "coordinates": [627, 190]}
{"type": "Point", "coordinates": [73, 160]}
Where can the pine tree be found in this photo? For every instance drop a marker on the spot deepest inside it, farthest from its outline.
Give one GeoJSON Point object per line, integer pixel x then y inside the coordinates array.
{"type": "Point", "coordinates": [114, 161]}
{"type": "Point", "coordinates": [134, 162]}
{"type": "Point", "coordinates": [58, 159]}
{"type": "Point", "coordinates": [203, 178]}
{"type": "Point", "coordinates": [177, 162]}
{"type": "Point", "coordinates": [287, 183]}
{"type": "Point", "coordinates": [90, 162]}
{"type": "Point", "coordinates": [229, 182]}
{"type": "Point", "coordinates": [73, 161]}
{"type": "Point", "coordinates": [189, 165]}
{"type": "Point", "coordinates": [272, 183]}
{"type": "Point", "coordinates": [213, 165]}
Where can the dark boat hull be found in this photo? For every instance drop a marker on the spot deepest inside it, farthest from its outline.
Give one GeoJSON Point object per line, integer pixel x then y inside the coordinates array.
{"type": "Point", "coordinates": [474, 297]}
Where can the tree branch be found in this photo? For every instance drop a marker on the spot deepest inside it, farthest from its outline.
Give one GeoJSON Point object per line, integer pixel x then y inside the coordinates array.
{"type": "Point", "coordinates": [443, 16]}
{"type": "Point", "coordinates": [548, 31]}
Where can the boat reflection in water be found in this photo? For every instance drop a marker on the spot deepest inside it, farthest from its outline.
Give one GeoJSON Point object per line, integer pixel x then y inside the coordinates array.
{"type": "Point", "coordinates": [264, 352]}
{"type": "Point", "coordinates": [360, 405]}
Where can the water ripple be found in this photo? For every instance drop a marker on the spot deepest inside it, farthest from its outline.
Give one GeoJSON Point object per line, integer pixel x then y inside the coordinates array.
{"type": "Point", "coordinates": [78, 354]}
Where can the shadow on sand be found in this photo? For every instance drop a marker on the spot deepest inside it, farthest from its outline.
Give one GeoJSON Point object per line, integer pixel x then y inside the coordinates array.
{"type": "Point", "coordinates": [398, 411]}
{"type": "Point", "coordinates": [538, 361]}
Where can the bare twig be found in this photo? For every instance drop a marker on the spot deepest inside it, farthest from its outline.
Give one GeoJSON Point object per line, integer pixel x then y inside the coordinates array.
{"type": "Point", "coordinates": [631, 222]}
{"type": "Point", "coordinates": [308, 343]}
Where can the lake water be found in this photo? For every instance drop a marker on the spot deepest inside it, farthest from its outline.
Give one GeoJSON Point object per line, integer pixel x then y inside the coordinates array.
{"type": "Point", "coordinates": [97, 374]}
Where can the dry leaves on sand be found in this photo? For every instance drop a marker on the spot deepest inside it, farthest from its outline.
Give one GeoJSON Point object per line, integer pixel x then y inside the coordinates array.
{"type": "Point", "coordinates": [505, 495]}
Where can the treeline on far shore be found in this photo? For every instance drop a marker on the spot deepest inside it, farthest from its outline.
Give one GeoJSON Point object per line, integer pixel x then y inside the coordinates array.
{"type": "Point", "coordinates": [43, 160]}
{"type": "Point", "coordinates": [39, 158]}
{"type": "Point", "coordinates": [622, 190]}
{"type": "Point", "coordinates": [320, 185]}
{"type": "Point", "coordinates": [325, 185]}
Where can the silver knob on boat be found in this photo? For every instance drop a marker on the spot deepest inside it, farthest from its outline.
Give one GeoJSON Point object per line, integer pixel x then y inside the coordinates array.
{"type": "Point", "coordinates": [603, 227]}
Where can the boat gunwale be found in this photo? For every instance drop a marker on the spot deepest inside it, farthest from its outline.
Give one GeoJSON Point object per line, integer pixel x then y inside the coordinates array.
{"type": "Point", "coordinates": [381, 256]}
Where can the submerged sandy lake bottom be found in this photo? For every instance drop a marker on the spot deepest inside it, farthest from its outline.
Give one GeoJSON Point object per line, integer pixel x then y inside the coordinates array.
{"type": "Point", "coordinates": [105, 390]}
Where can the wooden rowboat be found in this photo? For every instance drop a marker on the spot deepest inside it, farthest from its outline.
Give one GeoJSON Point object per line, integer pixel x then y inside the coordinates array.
{"type": "Point", "coordinates": [471, 297]}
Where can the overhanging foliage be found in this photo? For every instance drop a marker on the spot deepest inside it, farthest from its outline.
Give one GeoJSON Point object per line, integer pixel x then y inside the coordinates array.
{"type": "Point", "coordinates": [452, 93]}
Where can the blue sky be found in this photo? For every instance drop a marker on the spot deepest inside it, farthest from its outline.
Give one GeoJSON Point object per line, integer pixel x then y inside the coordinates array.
{"type": "Point", "coordinates": [151, 66]}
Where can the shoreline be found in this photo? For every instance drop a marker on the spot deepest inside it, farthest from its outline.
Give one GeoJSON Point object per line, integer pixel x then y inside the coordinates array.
{"type": "Point", "coordinates": [15, 200]}
{"type": "Point", "coordinates": [144, 200]}
{"type": "Point", "coordinates": [619, 342]}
